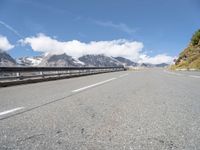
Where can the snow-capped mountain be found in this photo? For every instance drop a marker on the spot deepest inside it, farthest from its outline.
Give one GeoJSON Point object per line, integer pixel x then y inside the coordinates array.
{"type": "Point", "coordinates": [147, 65]}
{"type": "Point", "coordinates": [126, 62]}
{"type": "Point", "coordinates": [64, 60]}
{"type": "Point", "coordinates": [6, 60]}
{"type": "Point", "coordinates": [61, 60]}
{"type": "Point", "coordinates": [99, 61]}
{"type": "Point", "coordinates": [30, 61]}
{"type": "Point", "coordinates": [162, 65]}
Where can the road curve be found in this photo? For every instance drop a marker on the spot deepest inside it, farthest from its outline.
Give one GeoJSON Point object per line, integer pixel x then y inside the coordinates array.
{"type": "Point", "coordinates": [147, 109]}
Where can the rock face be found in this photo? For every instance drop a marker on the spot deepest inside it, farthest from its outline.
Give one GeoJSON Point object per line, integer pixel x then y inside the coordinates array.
{"type": "Point", "coordinates": [6, 60]}
{"type": "Point", "coordinates": [190, 57]}
{"type": "Point", "coordinates": [99, 61]}
{"type": "Point", "coordinates": [126, 62]}
{"type": "Point", "coordinates": [62, 60]}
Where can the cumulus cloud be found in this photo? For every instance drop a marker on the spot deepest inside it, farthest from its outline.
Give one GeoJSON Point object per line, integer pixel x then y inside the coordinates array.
{"type": "Point", "coordinates": [121, 47]}
{"type": "Point", "coordinates": [161, 58]}
{"type": "Point", "coordinates": [5, 44]}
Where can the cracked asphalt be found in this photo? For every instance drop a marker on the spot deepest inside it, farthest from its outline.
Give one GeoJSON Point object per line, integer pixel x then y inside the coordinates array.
{"type": "Point", "coordinates": [136, 110]}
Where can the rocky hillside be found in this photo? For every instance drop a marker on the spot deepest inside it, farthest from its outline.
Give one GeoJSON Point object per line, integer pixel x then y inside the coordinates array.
{"type": "Point", "coordinates": [6, 60]}
{"type": "Point", "coordinates": [190, 57]}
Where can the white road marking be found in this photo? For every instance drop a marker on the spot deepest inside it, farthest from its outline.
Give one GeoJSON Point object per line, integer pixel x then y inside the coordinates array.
{"type": "Point", "coordinates": [193, 76]}
{"type": "Point", "coordinates": [10, 111]}
{"type": "Point", "coordinates": [93, 85]}
{"type": "Point", "coordinates": [123, 75]}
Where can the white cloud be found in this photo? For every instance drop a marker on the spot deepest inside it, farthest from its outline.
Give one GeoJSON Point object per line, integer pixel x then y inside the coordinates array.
{"type": "Point", "coordinates": [161, 58]}
{"type": "Point", "coordinates": [121, 26]}
{"type": "Point", "coordinates": [121, 47]}
{"type": "Point", "coordinates": [5, 44]}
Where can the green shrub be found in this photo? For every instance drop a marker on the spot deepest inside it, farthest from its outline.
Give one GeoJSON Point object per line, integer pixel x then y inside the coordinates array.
{"type": "Point", "coordinates": [195, 38]}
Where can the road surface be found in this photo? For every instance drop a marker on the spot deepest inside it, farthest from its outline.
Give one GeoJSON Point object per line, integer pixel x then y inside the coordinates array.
{"type": "Point", "coordinates": [147, 109]}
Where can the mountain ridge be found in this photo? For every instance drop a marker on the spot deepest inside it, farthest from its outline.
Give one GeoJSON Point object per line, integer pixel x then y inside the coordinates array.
{"type": "Point", "coordinates": [61, 60]}
{"type": "Point", "coordinates": [64, 60]}
{"type": "Point", "coordinates": [126, 62]}
{"type": "Point", "coordinates": [6, 60]}
{"type": "Point", "coordinates": [99, 60]}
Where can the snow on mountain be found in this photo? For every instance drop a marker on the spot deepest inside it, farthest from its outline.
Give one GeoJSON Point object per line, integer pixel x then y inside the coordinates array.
{"type": "Point", "coordinates": [78, 61]}
{"type": "Point", "coordinates": [99, 61]}
{"type": "Point", "coordinates": [126, 62]}
{"type": "Point", "coordinates": [64, 60]}
{"type": "Point", "coordinates": [30, 61]}
{"type": "Point", "coordinates": [6, 60]}
{"type": "Point", "coordinates": [60, 60]}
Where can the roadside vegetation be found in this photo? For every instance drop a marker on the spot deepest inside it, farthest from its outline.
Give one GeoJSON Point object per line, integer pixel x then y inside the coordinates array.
{"type": "Point", "coordinates": [190, 57]}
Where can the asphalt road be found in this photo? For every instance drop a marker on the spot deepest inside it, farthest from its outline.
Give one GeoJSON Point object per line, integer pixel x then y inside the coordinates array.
{"type": "Point", "coordinates": [147, 109]}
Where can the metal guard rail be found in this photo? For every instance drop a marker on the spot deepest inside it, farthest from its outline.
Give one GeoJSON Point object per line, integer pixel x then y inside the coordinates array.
{"type": "Point", "coordinates": [21, 73]}
{"type": "Point", "coordinates": [36, 69]}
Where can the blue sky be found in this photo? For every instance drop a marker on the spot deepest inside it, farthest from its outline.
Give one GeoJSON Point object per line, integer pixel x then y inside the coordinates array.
{"type": "Point", "coordinates": [163, 26]}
